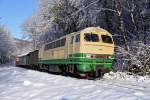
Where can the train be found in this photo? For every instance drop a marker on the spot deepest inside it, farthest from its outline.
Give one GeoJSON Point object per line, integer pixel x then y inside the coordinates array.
{"type": "Point", "coordinates": [88, 52]}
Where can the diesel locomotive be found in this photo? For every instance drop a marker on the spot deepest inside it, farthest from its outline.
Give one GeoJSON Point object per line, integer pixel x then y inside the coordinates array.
{"type": "Point", "coordinates": [88, 52]}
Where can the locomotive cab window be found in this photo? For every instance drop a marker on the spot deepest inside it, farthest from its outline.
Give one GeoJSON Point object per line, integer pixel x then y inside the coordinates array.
{"type": "Point", "coordinates": [107, 39]}
{"type": "Point", "coordinates": [89, 37]}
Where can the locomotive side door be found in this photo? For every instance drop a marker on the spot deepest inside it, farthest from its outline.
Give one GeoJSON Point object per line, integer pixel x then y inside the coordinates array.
{"type": "Point", "coordinates": [71, 45]}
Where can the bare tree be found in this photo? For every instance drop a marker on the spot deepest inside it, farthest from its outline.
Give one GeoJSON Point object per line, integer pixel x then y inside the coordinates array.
{"type": "Point", "coordinates": [125, 19]}
{"type": "Point", "coordinates": [7, 46]}
{"type": "Point", "coordinates": [138, 56]}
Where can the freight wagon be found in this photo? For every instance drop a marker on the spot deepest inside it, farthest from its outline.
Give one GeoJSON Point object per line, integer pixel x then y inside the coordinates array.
{"type": "Point", "coordinates": [30, 59]}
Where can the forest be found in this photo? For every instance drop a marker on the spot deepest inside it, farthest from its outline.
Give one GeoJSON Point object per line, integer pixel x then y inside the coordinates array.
{"type": "Point", "coordinates": [7, 46]}
{"type": "Point", "coordinates": [127, 20]}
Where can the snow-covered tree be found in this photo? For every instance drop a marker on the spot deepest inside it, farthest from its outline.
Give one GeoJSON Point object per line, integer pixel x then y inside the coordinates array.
{"type": "Point", "coordinates": [136, 60]}
{"type": "Point", "coordinates": [125, 19]}
{"type": "Point", "coordinates": [7, 46]}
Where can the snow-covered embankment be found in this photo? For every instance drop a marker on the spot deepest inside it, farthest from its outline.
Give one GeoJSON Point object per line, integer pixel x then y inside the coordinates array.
{"type": "Point", "coordinates": [22, 84]}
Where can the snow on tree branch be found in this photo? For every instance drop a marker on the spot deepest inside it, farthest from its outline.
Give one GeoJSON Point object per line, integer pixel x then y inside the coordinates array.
{"type": "Point", "coordinates": [7, 47]}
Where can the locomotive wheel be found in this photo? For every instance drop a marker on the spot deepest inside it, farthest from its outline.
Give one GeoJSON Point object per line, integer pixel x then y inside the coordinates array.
{"type": "Point", "coordinates": [70, 69]}
{"type": "Point", "coordinates": [98, 73]}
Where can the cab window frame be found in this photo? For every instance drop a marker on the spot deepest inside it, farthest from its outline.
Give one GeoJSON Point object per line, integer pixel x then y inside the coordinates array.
{"type": "Point", "coordinates": [91, 37]}
{"type": "Point", "coordinates": [110, 41]}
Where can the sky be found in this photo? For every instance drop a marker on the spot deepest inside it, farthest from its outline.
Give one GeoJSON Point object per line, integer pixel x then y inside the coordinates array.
{"type": "Point", "coordinates": [14, 12]}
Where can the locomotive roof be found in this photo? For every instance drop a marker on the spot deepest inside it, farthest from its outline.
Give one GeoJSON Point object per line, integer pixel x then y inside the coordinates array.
{"type": "Point", "coordinates": [96, 30]}
{"type": "Point", "coordinates": [86, 30]}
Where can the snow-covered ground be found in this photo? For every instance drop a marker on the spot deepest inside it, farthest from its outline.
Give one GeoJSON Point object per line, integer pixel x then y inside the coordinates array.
{"type": "Point", "coordinates": [22, 84]}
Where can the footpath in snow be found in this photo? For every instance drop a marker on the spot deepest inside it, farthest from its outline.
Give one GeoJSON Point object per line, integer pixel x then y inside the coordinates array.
{"type": "Point", "coordinates": [22, 84]}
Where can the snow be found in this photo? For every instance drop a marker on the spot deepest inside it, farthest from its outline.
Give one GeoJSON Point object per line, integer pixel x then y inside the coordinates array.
{"type": "Point", "coordinates": [125, 76]}
{"type": "Point", "coordinates": [23, 84]}
{"type": "Point", "coordinates": [27, 83]}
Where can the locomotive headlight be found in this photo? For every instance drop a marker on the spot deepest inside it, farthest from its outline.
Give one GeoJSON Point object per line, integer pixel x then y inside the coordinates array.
{"type": "Point", "coordinates": [110, 57]}
{"type": "Point", "coordinates": [88, 56]}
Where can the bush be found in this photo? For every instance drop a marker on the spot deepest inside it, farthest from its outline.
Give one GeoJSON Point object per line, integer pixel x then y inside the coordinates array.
{"type": "Point", "coordinates": [136, 60]}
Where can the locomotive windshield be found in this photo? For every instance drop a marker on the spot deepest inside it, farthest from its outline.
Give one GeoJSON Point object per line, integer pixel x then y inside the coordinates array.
{"type": "Point", "coordinates": [107, 39]}
{"type": "Point", "coordinates": [89, 37]}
